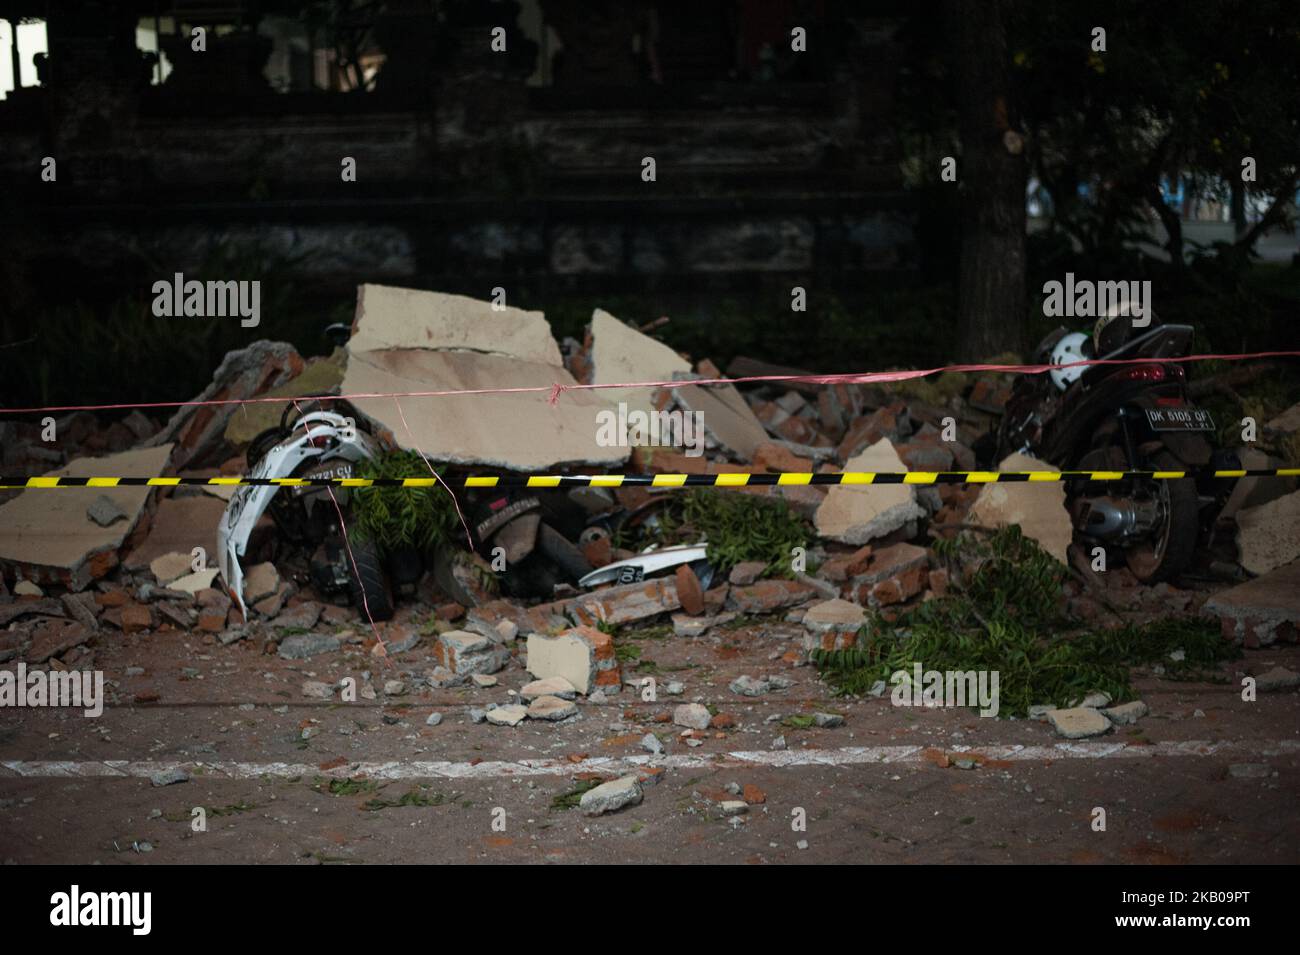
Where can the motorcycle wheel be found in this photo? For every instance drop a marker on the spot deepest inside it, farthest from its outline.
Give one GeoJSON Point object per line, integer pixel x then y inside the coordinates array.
{"type": "Point", "coordinates": [371, 592]}
{"type": "Point", "coordinates": [555, 546]}
{"type": "Point", "coordinates": [1171, 550]}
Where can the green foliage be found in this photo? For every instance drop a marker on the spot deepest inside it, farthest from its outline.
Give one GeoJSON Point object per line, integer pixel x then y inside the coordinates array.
{"type": "Point", "coordinates": [741, 527]}
{"type": "Point", "coordinates": [1009, 616]}
{"type": "Point", "coordinates": [396, 517]}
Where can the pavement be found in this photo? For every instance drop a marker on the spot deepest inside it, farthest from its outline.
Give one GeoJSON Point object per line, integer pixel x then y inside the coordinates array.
{"type": "Point", "coordinates": [276, 776]}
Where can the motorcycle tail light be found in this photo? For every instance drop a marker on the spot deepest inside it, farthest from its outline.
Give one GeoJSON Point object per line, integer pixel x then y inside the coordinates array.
{"type": "Point", "coordinates": [1145, 373]}
{"type": "Point", "coordinates": [1170, 402]}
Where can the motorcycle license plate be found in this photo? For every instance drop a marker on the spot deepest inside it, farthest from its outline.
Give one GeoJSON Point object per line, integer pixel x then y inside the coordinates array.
{"type": "Point", "coordinates": [1179, 419]}
{"type": "Point", "coordinates": [336, 470]}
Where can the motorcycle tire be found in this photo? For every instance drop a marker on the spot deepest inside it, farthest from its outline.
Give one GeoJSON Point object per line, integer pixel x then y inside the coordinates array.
{"type": "Point", "coordinates": [1172, 552]}
{"type": "Point", "coordinates": [565, 555]}
{"type": "Point", "coordinates": [369, 587]}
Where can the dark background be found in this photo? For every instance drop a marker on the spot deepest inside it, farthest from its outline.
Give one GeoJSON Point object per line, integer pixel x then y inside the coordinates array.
{"type": "Point", "coordinates": [522, 169]}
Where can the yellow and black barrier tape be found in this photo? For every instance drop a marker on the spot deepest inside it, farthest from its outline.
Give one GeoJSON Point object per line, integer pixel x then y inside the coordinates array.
{"type": "Point", "coordinates": [739, 479]}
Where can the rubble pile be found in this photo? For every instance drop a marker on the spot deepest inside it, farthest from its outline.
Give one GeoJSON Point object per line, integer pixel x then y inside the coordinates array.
{"type": "Point", "coordinates": [77, 566]}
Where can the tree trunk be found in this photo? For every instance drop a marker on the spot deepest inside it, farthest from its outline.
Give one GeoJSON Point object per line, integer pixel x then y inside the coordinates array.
{"type": "Point", "coordinates": [991, 315]}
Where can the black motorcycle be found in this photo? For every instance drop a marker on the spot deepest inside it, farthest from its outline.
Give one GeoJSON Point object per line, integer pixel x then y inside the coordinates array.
{"type": "Point", "coordinates": [1127, 417]}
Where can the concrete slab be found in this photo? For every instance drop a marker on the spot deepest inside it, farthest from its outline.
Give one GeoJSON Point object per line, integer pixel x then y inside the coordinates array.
{"type": "Point", "coordinates": [1268, 536]}
{"type": "Point", "coordinates": [48, 534]}
{"type": "Point", "coordinates": [1039, 509]}
{"type": "Point", "coordinates": [519, 431]}
{"type": "Point", "coordinates": [855, 514]}
{"type": "Point", "coordinates": [1257, 612]}
{"type": "Point", "coordinates": [389, 317]}
{"type": "Point", "coordinates": [620, 353]}
{"type": "Point", "coordinates": [179, 524]}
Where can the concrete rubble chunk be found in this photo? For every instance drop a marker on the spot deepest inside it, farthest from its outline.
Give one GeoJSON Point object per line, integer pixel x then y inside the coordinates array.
{"type": "Point", "coordinates": [746, 572]}
{"type": "Point", "coordinates": [392, 317]}
{"type": "Point", "coordinates": [46, 536]}
{"type": "Point", "coordinates": [452, 344]}
{"type": "Point", "coordinates": [179, 525]}
{"type": "Point", "coordinates": [54, 637]}
{"type": "Point", "coordinates": [551, 686]}
{"type": "Point", "coordinates": [465, 653]}
{"type": "Point", "coordinates": [197, 430]}
{"type": "Point", "coordinates": [694, 716]}
{"type": "Point", "coordinates": [510, 715]}
{"type": "Point", "coordinates": [768, 595]}
{"type": "Point", "coordinates": [261, 580]}
{"type": "Point", "coordinates": [611, 796]}
{"type": "Point", "coordinates": [626, 603]}
{"type": "Point", "coordinates": [321, 376]}
{"type": "Point", "coordinates": [1078, 722]}
{"type": "Point", "coordinates": [194, 582]}
{"type": "Point", "coordinates": [1126, 713]}
{"type": "Point", "coordinates": [584, 656]}
{"type": "Point", "coordinates": [316, 690]}
{"type": "Point", "coordinates": [551, 708]}
{"type": "Point", "coordinates": [727, 420]}
{"type": "Point", "coordinates": [621, 354]}
{"type": "Point", "coordinates": [1276, 680]}
{"type": "Point", "coordinates": [1260, 611]}
{"type": "Point", "coordinates": [1038, 509]}
{"type": "Point", "coordinates": [301, 646]}
{"type": "Point", "coordinates": [856, 514]}
{"type": "Point", "coordinates": [1268, 536]}
{"type": "Point", "coordinates": [170, 567]}
{"type": "Point", "coordinates": [836, 614]}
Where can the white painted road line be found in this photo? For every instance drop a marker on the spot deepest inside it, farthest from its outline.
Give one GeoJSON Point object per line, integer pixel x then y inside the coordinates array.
{"type": "Point", "coordinates": [780, 759]}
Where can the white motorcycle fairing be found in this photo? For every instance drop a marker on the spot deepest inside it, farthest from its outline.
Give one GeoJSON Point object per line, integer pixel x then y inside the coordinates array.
{"type": "Point", "coordinates": [319, 434]}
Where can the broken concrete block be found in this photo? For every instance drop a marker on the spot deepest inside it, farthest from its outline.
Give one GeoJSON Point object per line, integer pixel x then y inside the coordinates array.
{"type": "Point", "coordinates": [301, 646]}
{"type": "Point", "coordinates": [768, 595]}
{"type": "Point", "coordinates": [1268, 536]}
{"type": "Point", "coordinates": [833, 624]}
{"type": "Point", "coordinates": [464, 653]}
{"type": "Point", "coordinates": [528, 432]}
{"type": "Point", "coordinates": [389, 317]}
{"type": "Point", "coordinates": [53, 638]}
{"type": "Point", "coordinates": [46, 536]}
{"type": "Point", "coordinates": [727, 420]}
{"type": "Point", "coordinates": [746, 572]}
{"type": "Point", "coordinates": [1262, 610]}
{"type": "Point", "coordinates": [137, 617]}
{"type": "Point", "coordinates": [510, 715]}
{"type": "Point", "coordinates": [551, 708]}
{"type": "Point", "coordinates": [620, 354]}
{"type": "Point", "coordinates": [551, 686]}
{"type": "Point", "coordinates": [170, 567]}
{"type": "Point", "coordinates": [1126, 713]}
{"type": "Point", "coordinates": [321, 376]}
{"type": "Point", "coordinates": [1277, 679]}
{"type": "Point", "coordinates": [179, 525]}
{"type": "Point", "coordinates": [856, 514]}
{"type": "Point", "coordinates": [582, 655]}
{"type": "Point", "coordinates": [25, 588]}
{"type": "Point", "coordinates": [197, 429]}
{"type": "Point", "coordinates": [1038, 508]}
{"type": "Point", "coordinates": [892, 575]}
{"type": "Point", "coordinates": [1078, 722]}
{"type": "Point", "coordinates": [694, 716]}
{"type": "Point", "coordinates": [261, 581]}
{"type": "Point", "coordinates": [193, 583]}
{"type": "Point", "coordinates": [82, 608]}
{"type": "Point", "coordinates": [626, 603]}
{"type": "Point", "coordinates": [611, 796]}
